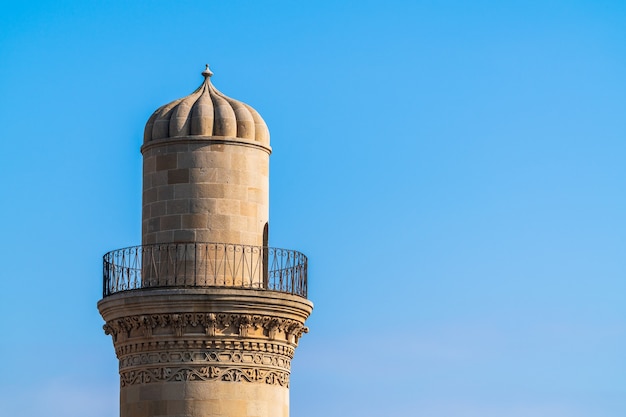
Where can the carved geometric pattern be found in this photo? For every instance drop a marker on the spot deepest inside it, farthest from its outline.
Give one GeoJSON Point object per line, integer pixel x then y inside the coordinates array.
{"type": "Point", "coordinates": [205, 373]}
{"type": "Point", "coordinates": [225, 344]}
{"type": "Point", "coordinates": [205, 358]}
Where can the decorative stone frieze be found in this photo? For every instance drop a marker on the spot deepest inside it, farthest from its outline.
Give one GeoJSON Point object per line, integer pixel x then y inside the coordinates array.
{"type": "Point", "coordinates": [210, 324]}
{"type": "Point", "coordinates": [224, 344]}
{"type": "Point", "coordinates": [205, 358]}
{"type": "Point", "coordinates": [204, 373]}
{"type": "Point", "coordinates": [240, 336]}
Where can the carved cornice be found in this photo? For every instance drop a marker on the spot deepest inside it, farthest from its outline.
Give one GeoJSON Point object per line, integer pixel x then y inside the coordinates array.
{"type": "Point", "coordinates": [218, 140]}
{"type": "Point", "coordinates": [205, 373]}
{"type": "Point", "coordinates": [204, 300]}
{"type": "Point", "coordinates": [208, 324]}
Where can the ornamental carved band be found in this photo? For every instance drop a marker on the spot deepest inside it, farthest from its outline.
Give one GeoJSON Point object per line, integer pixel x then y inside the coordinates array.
{"type": "Point", "coordinates": [205, 358]}
{"type": "Point", "coordinates": [209, 324]}
{"type": "Point", "coordinates": [204, 347]}
{"type": "Point", "coordinates": [232, 345]}
{"type": "Point", "coordinates": [205, 373]}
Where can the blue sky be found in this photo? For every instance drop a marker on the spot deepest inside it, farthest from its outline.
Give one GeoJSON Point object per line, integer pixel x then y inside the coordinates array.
{"type": "Point", "coordinates": [454, 170]}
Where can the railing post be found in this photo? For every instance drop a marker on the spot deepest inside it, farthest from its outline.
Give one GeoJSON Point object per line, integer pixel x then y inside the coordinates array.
{"type": "Point", "coordinates": [105, 276]}
{"type": "Point", "coordinates": [265, 266]}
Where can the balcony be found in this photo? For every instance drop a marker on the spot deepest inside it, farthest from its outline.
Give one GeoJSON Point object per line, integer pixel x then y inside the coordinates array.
{"type": "Point", "coordinates": [203, 265]}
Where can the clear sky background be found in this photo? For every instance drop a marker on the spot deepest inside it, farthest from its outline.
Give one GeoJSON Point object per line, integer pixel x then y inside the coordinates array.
{"type": "Point", "coordinates": [455, 171]}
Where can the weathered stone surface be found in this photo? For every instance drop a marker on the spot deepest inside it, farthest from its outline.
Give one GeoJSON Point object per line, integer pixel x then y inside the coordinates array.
{"type": "Point", "coordinates": [219, 181]}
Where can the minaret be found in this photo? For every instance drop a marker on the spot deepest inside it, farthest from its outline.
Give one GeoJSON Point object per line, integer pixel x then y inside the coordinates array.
{"type": "Point", "coordinates": [205, 317]}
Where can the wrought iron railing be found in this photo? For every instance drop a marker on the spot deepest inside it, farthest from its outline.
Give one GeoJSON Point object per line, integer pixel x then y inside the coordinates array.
{"type": "Point", "coordinates": [192, 265]}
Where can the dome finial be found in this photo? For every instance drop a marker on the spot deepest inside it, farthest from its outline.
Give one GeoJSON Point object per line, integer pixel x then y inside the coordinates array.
{"type": "Point", "coordinates": [207, 72]}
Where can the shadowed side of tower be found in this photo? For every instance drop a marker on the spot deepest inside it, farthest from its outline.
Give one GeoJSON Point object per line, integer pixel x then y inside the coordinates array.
{"type": "Point", "coordinates": [205, 317]}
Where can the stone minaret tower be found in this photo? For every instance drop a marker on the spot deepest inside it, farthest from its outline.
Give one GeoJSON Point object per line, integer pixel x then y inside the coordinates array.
{"type": "Point", "coordinates": [205, 317]}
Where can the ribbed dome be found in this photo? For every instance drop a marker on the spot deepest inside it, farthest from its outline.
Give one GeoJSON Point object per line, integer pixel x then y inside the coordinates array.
{"type": "Point", "coordinates": [206, 112]}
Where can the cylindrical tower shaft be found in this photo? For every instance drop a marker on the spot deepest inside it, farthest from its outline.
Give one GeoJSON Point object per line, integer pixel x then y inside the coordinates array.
{"type": "Point", "coordinates": [205, 190]}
